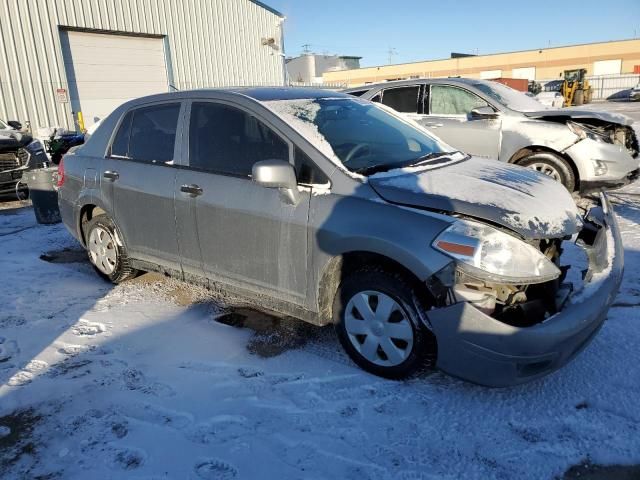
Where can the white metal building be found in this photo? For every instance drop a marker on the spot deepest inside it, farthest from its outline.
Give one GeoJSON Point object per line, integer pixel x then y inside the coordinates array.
{"type": "Point", "coordinates": [308, 68]}
{"type": "Point", "coordinates": [61, 57]}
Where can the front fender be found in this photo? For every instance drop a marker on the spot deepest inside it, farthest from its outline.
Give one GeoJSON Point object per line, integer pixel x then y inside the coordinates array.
{"type": "Point", "coordinates": [364, 223]}
{"type": "Point", "coordinates": [518, 134]}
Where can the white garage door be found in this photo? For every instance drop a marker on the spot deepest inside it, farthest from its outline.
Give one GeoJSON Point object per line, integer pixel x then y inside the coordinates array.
{"type": "Point", "coordinates": [525, 72]}
{"type": "Point", "coordinates": [490, 74]}
{"type": "Point", "coordinates": [607, 67]}
{"type": "Point", "coordinates": [106, 70]}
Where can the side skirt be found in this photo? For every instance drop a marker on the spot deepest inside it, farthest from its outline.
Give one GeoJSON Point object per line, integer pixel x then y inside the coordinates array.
{"type": "Point", "coordinates": [237, 296]}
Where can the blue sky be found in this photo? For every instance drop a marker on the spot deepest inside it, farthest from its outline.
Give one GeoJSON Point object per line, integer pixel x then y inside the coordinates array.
{"type": "Point", "coordinates": [428, 29]}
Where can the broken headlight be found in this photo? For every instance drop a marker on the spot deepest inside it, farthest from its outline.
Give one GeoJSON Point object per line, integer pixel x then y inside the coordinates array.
{"type": "Point", "coordinates": [486, 253]}
{"type": "Point", "coordinates": [583, 132]}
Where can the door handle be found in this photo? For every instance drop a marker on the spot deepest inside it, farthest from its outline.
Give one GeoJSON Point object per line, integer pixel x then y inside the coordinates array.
{"type": "Point", "coordinates": [193, 190]}
{"type": "Point", "coordinates": [433, 124]}
{"type": "Point", "coordinates": [111, 175]}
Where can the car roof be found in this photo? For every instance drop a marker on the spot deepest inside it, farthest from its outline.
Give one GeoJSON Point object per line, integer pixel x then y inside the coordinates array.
{"type": "Point", "coordinates": [287, 93]}
{"type": "Point", "coordinates": [413, 81]}
{"type": "Point", "coordinates": [251, 94]}
{"type": "Point", "coordinates": [261, 94]}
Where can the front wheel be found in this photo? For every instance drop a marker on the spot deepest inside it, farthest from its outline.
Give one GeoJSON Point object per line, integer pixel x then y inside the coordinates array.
{"type": "Point", "coordinates": [552, 166]}
{"type": "Point", "coordinates": [378, 321]}
{"type": "Point", "coordinates": [578, 98]}
{"type": "Point", "coordinates": [106, 253]}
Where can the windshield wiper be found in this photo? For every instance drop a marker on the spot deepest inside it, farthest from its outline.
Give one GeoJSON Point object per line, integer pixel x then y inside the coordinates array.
{"type": "Point", "coordinates": [366, 171]}
{"type": "Point", "coordinates": [429, 157]}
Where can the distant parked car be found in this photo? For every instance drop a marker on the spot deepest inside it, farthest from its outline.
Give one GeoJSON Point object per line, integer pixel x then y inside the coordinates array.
{"type": "Point", "coordinates": [585, 150]}
{"type": "Point", "coordinates": [553, 86]}
{"type": "Point", "coordinates": [634, 94]}
{"type": "Point", "coordinates": [18, 152]}
{"type": "Point", "coordinates": [550, 99]}
{"type": "Point", "coordinates": [339, 211]}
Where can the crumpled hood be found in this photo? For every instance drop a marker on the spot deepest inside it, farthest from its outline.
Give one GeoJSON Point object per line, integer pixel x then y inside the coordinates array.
{"type": "Point", "coordinates": [580, 114]}
{"type": "Point", "coordinates": [517, 198]}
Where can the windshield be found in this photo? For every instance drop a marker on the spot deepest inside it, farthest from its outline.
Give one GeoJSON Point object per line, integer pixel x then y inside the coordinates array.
{"type": "Point", "coordinates": [509, 97]}
{"type": "Point", "coordinates": [3, 126]}
{"type": "Point", "coordinates": [359, 135]}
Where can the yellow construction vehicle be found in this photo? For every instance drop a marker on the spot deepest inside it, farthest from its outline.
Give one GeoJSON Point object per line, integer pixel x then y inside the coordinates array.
{"type": "Point", "coordinates": [575, 88]}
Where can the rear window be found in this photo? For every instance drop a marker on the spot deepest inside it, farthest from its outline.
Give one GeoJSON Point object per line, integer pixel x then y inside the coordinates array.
{"type": "Point", "coordinates": [148, 134]}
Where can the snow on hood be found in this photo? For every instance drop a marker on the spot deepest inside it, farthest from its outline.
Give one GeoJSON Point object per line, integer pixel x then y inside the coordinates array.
{"type": "Point", "coordinates": [519, 199]}
{"type": "Point", "coordinates": [576, 113]}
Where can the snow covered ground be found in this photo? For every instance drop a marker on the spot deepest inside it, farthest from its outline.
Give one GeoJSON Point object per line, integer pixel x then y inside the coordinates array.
{"type": "Point", "coordinates": [144, 381]}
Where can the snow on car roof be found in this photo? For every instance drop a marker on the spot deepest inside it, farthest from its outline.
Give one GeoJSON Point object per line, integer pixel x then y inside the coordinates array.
{"type": "Point", "coordinates": [265, 94]}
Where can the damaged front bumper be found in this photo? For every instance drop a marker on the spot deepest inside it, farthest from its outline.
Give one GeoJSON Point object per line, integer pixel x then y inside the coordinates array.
{"type": "Point", "coordinates": [478, 348]}
{"type": "Point", "coordinates": [602, 165]}
{"type": "Point", "coordinates": [596, 185]}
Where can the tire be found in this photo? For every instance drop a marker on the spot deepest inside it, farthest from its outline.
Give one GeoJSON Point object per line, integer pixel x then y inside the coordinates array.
{"type": "Point", "coordinates": [578, 97]}
{"type": "Point", "coordinates": [588, 96]}
{"type": "Point", "coordinates": [108, 258]}
{"type": "Point", "coordinates": [376, 287]}
{"type": "Point", "coordinates": [553, 166]}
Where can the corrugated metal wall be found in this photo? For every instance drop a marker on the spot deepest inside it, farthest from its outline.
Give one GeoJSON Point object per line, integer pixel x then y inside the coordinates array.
{"type": "Point", "coordinates": [210, 42]}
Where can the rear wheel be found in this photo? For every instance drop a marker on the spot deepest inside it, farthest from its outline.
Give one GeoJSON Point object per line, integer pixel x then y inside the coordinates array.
{"type": "Point", "coordinates": [378, 321]}
{"type": "Point", "coordinates": [107, 256]}
{"type": "Point", "coordinates": [553, 166]}
{"type": "Point", "coordinates": [588, 96]}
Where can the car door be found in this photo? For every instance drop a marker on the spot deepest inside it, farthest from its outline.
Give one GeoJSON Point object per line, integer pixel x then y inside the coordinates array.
{"type": "Point", "coordinates": [137, 181]}
{"type": "Point", "coordinates": [248, 236]}
{"type": "Point", "coordinates": [448, 115]}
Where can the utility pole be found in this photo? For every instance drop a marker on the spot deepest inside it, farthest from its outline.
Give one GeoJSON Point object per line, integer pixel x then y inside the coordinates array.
{"type": "Point", "coordinates": [306, 48]}
{"type": "Point", "coordinates": [391, 52]}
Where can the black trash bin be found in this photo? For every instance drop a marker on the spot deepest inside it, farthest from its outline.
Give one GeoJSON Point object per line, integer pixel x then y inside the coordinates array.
{"type": "Point", "coordinates": [43, 195]}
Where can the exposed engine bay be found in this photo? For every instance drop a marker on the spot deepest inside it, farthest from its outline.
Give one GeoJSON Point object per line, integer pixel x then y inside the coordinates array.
{"type": "Point", "coordinates": [618, 134]}
{"type": "Point", "coordinates": [529, 304]}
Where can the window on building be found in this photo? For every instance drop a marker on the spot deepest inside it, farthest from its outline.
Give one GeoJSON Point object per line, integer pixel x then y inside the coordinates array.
{"type": "Point", "coordinates": [153, 133]}
{"type": "Point", "coordinates": [447, 100]}
{"type": "Point", "coordinates": [224, 139]}
{"type": "Point", "coordinates": [402, 99]}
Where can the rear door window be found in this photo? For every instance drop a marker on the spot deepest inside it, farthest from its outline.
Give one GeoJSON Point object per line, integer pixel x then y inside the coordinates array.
{"type": "Point", "coordinates": [153, 133]}
{"type": "Point", "coordinates": [402, 99]}
{"type": "Point", "coordinates": [448, 100]}
{"type": "Point", "coordinates": [224, 139]}
{"type": "Point", "coordinates": [120, 145]}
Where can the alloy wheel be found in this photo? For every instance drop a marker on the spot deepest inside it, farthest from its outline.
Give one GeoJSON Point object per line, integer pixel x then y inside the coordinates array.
{"type": "Point", "coordinates": [547, 170]}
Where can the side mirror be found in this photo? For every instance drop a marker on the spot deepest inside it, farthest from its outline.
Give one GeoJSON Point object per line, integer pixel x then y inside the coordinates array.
{"type": "Point", "coordinates": [14, 124]}
{"type": "Point", "coordinates": [484, 112]}
{"type": "Point", "coordinates": [277, 174]}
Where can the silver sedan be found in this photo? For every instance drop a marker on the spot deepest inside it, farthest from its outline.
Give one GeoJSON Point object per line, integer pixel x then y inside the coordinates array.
{"type": "Point", "coordinates": [584, 150]}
